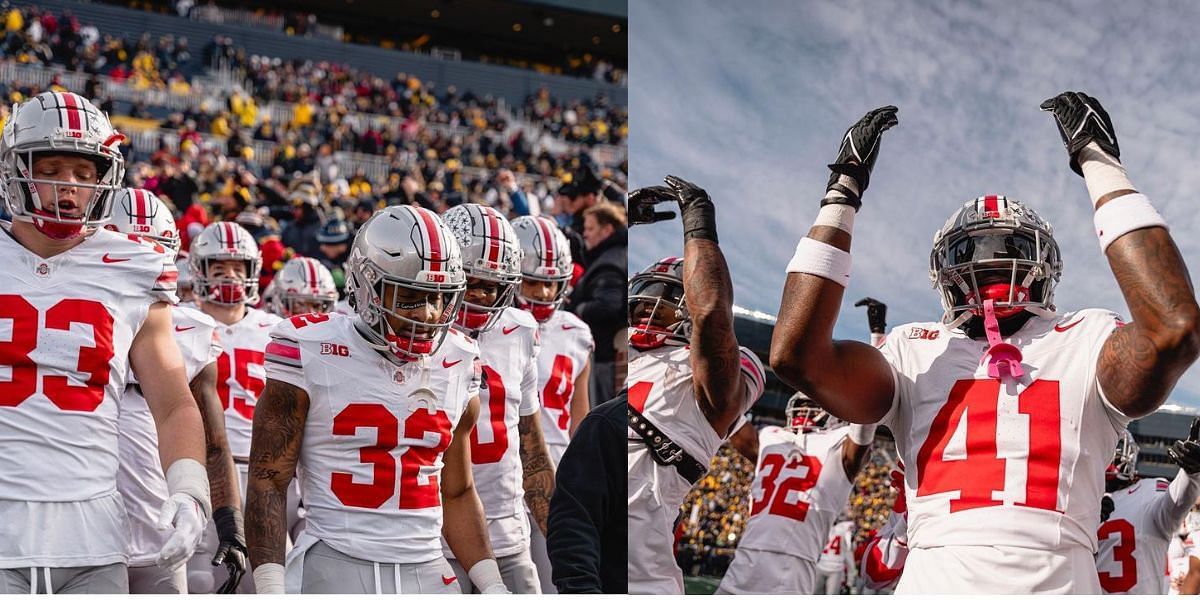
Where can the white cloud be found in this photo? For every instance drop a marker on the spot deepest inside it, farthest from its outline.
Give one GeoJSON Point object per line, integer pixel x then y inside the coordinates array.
{"type": "Point", "coordinates": [749, 99]}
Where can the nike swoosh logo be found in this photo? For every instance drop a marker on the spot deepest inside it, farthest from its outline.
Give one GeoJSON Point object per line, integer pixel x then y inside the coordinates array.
{"type": "Point", "coordinates": [508, 330]}
{"type": "Point", "coordinates": [182, 329]}
{"type": "Point", "coordinates": [568, 328]}
{"type": "Point", "coordinates": [264, 325]}
{"type": "Point", "coordinates": [108, 259]}
{"type": "Point", "coordinates": [1060, 328]}
{"type": "Point", "coordinates": [446, 364]}
{"type": "Point", "coordinates": [449, 580]}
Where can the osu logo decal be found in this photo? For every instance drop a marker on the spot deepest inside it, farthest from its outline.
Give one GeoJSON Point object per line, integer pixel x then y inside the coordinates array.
{"type": "Point", "coordinates": [334, 349]}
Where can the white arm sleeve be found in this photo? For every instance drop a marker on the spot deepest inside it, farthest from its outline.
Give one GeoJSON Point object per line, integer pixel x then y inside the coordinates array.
{"type": "Point", "coordinates": [1171, 507]}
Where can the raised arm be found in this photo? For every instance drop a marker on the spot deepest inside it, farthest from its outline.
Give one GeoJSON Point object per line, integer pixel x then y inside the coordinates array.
{"type": "Point", "coordinates": [850, 379]}
{"type": "Point", "coordinates": [222, 479]}
{"type": "Point", "coordinates": [709, 294]}
{"type": "Point", "coordinates": [1173, 506]}
{"type": "Point", "coordinates": [1140, 362]}
{"type": "Point", "coordinates": [278, 431]}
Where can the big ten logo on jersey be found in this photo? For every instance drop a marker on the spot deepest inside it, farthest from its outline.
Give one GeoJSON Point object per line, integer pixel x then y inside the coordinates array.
{"type": "Point", "coordinates": [334, 349]}
{"type": "Point", "coordinates": [919, 333]}
{"type": "Point", "coordinates": [785, 479]}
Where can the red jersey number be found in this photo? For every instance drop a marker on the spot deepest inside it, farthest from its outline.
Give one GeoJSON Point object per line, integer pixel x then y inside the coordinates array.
{"type": "Point", "coordinates": [93, 360]}
{"type": "Point", "coordinates": [486, 453]}
{"type": "Point", "coordinates": [775, 493]}
{"type": "Point", "coordinates": [413, 493]}
{"type": "Point", "coordinates": [1122, 554]}
{"type": "Point", "coordinates": [978, 476]}
{"type": "Point", "coordinates": [560, 387]}
{"type": "Point", "coordinates": [243, 402]}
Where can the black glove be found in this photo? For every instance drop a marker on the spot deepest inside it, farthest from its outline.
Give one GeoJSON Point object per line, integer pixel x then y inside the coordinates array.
{"type": "Point", "coordinates": [1081, 120]}
{"type": "Point", "coordinates": [1186, 453]}
{"type": "Point", "coordinates": [232, 550]}
{"type": "Point", "coordinates": [856, 156]}
{"type": "Point", "coordinates": [876, 314]}
{"type": "Point", "coordinates": [699, 214]}
{"type": "Point", "coordinates": [1106, 507]}
{"type": "Point", "coordinates": [642, 201]}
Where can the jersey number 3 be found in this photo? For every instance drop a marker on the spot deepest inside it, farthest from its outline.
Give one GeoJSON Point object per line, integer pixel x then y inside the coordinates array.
{"type": "Point", "coordinates": [980, 473]}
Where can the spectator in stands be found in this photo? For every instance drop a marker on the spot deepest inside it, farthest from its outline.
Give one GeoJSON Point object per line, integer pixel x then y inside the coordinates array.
{"type": "Point", "coordinates": [599, 297]}
{"type": "Point", "coordinates": [308, 217]}
{"type": "Point", "coordinates": [334, 239]}
{"type": "Point", "coordinates": [506, 182]}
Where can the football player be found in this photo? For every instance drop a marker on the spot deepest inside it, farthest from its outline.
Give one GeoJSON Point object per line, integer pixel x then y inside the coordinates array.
{"type": "Point", "coordinates": [1003, 410]}
{"type": "Point", "coordinates": [225, 263]}
{"type": "Point", "coordinates": [805, 474]}
{"type": "Point", "coordinates": [509, 460]}
{"type": "Point", "coordinates": [140, 479]}
{"type": "Point", "coordinates": [302, 286]}
{"type": "Point", "coordinates": [1144, 515]}
{"type": "Point", "coordinates": [689, 381]}
{"type": "Point", "coordinates": [797, 496]}
{"type": "Point", "coordinates": [80, 308]}
{"type": "Point", "coordinates": [374, 414]}
{"type": "Point", "coordinates": [564, 361]}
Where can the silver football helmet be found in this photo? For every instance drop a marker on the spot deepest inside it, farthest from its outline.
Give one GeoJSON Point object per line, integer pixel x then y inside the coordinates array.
{"type": "Point", "coordinates": [804, 415]}
{"type": "Point", "coordinates": [546, 256]}
{"type": "Point", "coordinates": [224, 240]}
{"type": "Point", "coordinates": [302, 286]}
{"type": "Point", "coordinates": [656, 297]}
{"type": "Point", "coordinates": [139, 212]}
{"type": "Point", "coordinates": [405, 248]}
{"type": "Point", "coordinates": [490, 252]}
{"type": "Point", "coordinates": [1124, 462]}
{"type": "Point", "coordinates": [998, 249]}
{"type": "Point", "coordinates": [59, 123]}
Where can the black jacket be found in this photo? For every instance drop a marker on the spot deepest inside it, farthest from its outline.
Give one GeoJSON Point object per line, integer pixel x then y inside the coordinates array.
{"type": "Point", "coordinates": [588, 526]}
{"type": "Point", "coordinates": [599, 296]}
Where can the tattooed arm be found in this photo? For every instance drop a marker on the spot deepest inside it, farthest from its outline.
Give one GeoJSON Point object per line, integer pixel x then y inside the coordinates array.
{"type": "Point", "coordinates": [222, 480]}
{"type": "Point", "coordinates": [463, 525]}
{"type": "Point", "coordinates": [537, 469]}
{"type": "Point", "coordinates": [278, 430]}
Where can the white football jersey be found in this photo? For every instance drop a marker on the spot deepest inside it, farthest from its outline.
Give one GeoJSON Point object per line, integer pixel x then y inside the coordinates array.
{"type": "Point", "coordinates": [140, 476]}
{"type": "Point", "coordinates": [1136, 537]}
{"type": "Point", "coordinates": [1177, 564]}
{"type": "Point", "coordinates": [567, 347]}
{"type": "Point", "coordinates": [838, 554]}
{"type": "Point", "coordinates": [69, 322]}
{"type": "Point", "coordinates": [508, 352]}
{"type": "Point", "coordinates": [799, 490]}
{"type": "Point", "coordinates": [1004, 463]}
{"type": "Point", "coordinates": [371, 457]}
{"type": "Point", "coordinates": [660, 386]}
{"type": "Point", "coordinates": [241, 375]}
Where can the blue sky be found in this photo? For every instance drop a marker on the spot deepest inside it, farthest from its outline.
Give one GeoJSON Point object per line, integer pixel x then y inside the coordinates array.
{"type": "Point", "coordinates": [749, 99]}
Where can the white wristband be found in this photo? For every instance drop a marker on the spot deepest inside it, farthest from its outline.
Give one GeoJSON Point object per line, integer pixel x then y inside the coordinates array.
{"type": "Point", "coordinates": [822, 260]}
{"type": "Point", "coordinates": [188, 476]}
{"type": "Point", "coordinates": [862, 435]}
{"type": "Point", "coordinates": [268, 579]}
{"type": "Point", "coordinates": [485, 574]}
{"type": "Point", "coordinates": [1124, 214]}
{"type": "Point", "coordinates": [840, 216]}
{"type": "Point", "coordinates": [1102, 173]}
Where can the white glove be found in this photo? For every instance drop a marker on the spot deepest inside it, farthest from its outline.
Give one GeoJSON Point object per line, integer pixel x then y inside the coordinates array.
{"type": "Point", "coordinates": [182, 513]}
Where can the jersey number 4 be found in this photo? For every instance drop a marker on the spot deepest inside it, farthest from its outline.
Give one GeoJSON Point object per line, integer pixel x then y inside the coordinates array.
{"type": "Point", "coordinates": [775, 492]}
{"type": "Point", "coordinates": [23, 340]}
{"type": "Point", "coordinates": [560, 387]}
{"type": "Point", "coordinates": [980, 473]}
{"type": "Point", "coordinates": [413, 494]}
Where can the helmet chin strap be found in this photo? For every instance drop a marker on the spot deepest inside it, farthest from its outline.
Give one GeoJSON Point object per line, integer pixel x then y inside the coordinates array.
{"type": "Point", "coordinates": [1002, 358]}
